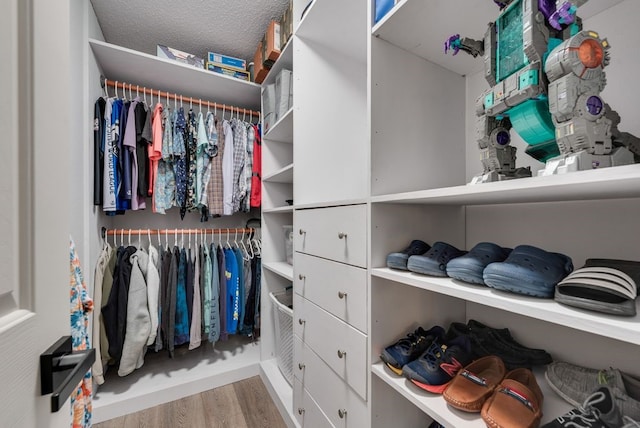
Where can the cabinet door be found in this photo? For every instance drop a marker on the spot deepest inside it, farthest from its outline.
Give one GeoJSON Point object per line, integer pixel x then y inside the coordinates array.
{"type": "Point", "coordinates": [341, 405]}
{"type": "Point", "coordinates": [336, 233]}
{"type": "Point", "coordinates": [306, 410]}
{"type": "Point", "coordinates": [341, 346]}
{"type": "Point", "coordinates": [338, 288]}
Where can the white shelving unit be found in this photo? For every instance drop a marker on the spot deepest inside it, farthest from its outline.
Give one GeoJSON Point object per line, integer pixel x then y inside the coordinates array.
{"type": "Point", "coordinates": [282, 130]}
{"type": "Point", "coordinates": [283, 175]}
{"type": "Point", "coordinates": [163, 379]}
{"type": "Point", "coordinates": [283, 269]}
{"type": "Point", "coordinates": [422, 154]}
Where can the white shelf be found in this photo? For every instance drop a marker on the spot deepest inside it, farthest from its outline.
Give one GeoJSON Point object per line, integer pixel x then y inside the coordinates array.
{"type": "Point", "coordinates": [283, 269]}
{"type": "Point", "coordinates": [283, 175]}
{"type": "Point", "coordinates": [338, 24]}
{"type": "Point", "coordinates": [284, 61]}
{"type": "Point", "coordinates": [282, 130]}
{"type": "Point", "coordinates": [436, 407]}
{"type": "Point", "coordinates": [278, 210]}
{"type": "Point", "coordinates": [421, 27]}
{"type": "Point", "coordinates": [137, 68]}
{"type": "Point", "coordinates": [625, 329]}
{"type": "Point", "coordinates": [162, 379]}
{"type": "Point", "coordinates": [605, 183]}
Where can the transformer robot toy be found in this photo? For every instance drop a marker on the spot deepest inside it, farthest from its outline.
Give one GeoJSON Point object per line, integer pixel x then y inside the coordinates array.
{"type": "Point", "coordinates": [546, 75]}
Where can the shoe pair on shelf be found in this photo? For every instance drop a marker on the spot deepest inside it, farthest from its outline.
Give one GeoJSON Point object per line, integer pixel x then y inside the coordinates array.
{"type": "Point", "coordinates": [524, 270]}
{"type": "Point", "coordinates": [600, 409]}
{"type": "Point", "coordinates": [431, 358]}
{"type": "Point", "coordinates": [602, 285]}
{"type": "Point", "coordinates": [575, 384]}
{"type": "Point", "coordinates": [504, 399]}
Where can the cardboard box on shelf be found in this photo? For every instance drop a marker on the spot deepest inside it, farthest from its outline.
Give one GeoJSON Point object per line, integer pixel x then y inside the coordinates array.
{"type": "Point", "coordinates": [259, 71]}
{"type": "Point", "coordinates": [227, 61]}
{"type": "Point", "coordinates": [242, 75]}
{"type": "Point", "coordinates": [180, 56]}
{"type": "Point", "coordinates": [271, 44]}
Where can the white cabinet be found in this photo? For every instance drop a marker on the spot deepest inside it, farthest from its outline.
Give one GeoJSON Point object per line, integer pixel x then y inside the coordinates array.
{"type": "Point", "coordinates": [336, 233]}
{"type": "Point", "coordinates": [423, 151]}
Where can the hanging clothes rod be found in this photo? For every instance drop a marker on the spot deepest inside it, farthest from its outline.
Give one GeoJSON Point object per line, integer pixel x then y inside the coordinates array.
{"type": "Point", "coordinates": [177, 97]}
{"type": "Point", "coordinates": [203, 231]}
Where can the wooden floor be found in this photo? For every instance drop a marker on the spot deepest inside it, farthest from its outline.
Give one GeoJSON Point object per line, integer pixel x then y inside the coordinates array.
{"type": "Point", "coordinates": [244, 404]}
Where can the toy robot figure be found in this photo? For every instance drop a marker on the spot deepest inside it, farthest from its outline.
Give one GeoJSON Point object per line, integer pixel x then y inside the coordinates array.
{"type": "Point", "coordinates": [546, 75]}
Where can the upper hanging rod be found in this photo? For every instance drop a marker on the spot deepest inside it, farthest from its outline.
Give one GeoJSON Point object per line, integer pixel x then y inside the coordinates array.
{"type": "Point", "coordinates": [202, 231]}
{"type": "Point", "coordinates": [165, 94]}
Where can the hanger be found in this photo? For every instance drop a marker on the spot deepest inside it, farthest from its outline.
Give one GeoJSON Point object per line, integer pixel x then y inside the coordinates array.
{"type": "Point", "coordinates": [189, 238]}
{"type": "Point", "coordinates": [250, 246]}
{"type": "Point", "coordinates": [182, 238]}
{"type": "Point", "coordinates": [200, 104]}
{"type": "Point", "coordinates": [175, 237]}
{"type": "Point", "coordinates": [228, 244]}
{"type": "Point", "coordinates": [116, 88]}
{"type": "Point", "coordinates": [166, 237]}
{"type": "Point", "coordinates": [106, 93]}
{"type": "Point", "coordinates": [137, 91]}
{"type": "Point", "coordinates": [243, 248]}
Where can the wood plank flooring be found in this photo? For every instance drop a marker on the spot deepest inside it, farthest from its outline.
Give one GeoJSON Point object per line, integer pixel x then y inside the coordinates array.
{"type": "Point", "coordinates": [244, 404]}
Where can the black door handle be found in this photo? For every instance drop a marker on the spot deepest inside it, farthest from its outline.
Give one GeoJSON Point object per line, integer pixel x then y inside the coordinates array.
{"type": "Point", "coordinates": [62, 369]}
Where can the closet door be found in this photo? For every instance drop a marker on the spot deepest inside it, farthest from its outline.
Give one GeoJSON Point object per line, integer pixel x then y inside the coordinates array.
{"type": "Point", "coordinates": [34, 196]}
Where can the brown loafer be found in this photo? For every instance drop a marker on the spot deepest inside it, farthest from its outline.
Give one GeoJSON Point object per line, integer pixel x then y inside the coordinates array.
{"type": "Point", "coordinates": [474, 384]}
{"type": "Point", "coordinates": [516, 402]}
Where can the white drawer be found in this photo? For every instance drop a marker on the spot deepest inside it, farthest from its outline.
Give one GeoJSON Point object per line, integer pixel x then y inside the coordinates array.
{"type": "Point", "coordinates": [338, 288]}
{"type": "Point", "coordinates": [306, 410]}
{"type": "Point", "coordinates": [341, 346]}
{"type": "Point", "coordinates": [338, 402]}
{"type": "Point", "coordinates": [336, 233]}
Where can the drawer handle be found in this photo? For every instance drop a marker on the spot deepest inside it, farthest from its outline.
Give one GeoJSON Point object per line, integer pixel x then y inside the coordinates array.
{"type": "Point", "coordinates": [342, 413]}
{"type": "Point", "coordinates": [342, 294]}
{"type": "Point", "coordinates": [342, 235]}
{"type": "Point", "coordinates": [301, 321]}
{"type": "Point", "coordinates": [300, 410]}
{"type": "Point", "coordinates": [342, 354]}
{"type": "Point", "coordinates": [302, 232]}
{"type": "Point", "coordinates": [301, 277]}
{"type": "Point", "coordinates": [300, 366]}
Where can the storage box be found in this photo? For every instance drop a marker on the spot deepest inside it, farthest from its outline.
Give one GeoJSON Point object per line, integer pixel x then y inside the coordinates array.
{"type": "Point", "coordinates": [259, 70]}
{"type": "Point", "coordinates": [283, 93]}
{"type": "Point", "coordinates": [242, 75]}
{"type": "Point", "coordinates": [282, 303]}
{"type": "Point", "coordinates": [268, 106]}
{"type": "Point", "coordinates": [180, 56]}
{"type": "Point", "coordinates": [226, 61]}
{"type": "Point", "coordinates": [271, 44]}
{"type": "Point", "coordinates": [288, 243]}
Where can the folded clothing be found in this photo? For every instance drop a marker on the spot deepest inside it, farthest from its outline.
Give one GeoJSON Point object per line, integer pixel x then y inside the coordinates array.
{"type": "Point", "coordinates": [602, 285]}
{"type": "Point", "coordinates": [529, 270]}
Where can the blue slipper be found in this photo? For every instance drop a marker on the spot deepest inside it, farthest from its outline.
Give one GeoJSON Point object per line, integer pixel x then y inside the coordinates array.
{"type": "Point", "coordinates": [469, 268]}
{"type": "Point", "coordinates": [529, 270]}
{"type": "Point", "coordinates": [399, 260]}
{"type": "Point", "coordinates": [434, 262]}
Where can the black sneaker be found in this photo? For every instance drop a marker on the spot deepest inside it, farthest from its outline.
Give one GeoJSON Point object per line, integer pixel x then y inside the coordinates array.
{"type": "Point", "coordinates": [410, 347]}
{"type": "Point", "coordinates": [598, 411]}
{"type": "Point", "coordinates": [399, 260]}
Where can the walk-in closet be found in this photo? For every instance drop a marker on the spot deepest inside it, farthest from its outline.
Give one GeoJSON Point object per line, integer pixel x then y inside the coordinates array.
{"type": "Point", "coordinates": [294, 176]}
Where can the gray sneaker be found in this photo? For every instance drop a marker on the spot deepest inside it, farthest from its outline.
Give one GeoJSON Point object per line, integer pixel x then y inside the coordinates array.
{"type": "Point", "coordinates": [598, 411]}
{"type": "Point", "coordinates": [574, 384]}
{"type": "Point", "coordinates": [630, 423]}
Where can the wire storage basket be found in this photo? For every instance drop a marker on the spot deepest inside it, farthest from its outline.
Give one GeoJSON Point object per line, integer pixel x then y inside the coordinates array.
{"type": "Point", "coordinates": [283, 317]}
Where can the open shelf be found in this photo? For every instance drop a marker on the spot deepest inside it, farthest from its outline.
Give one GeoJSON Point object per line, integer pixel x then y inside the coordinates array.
{"type": "Point", "coordinates": [278, 210]}
{"type": "Point", "coordinates": [162, 379]}
{"type": "Point", "coordinates": [284, 61]}
{"type": "Point", "coordinates": [421, 27]}
{"type": "Point", "coordinates": [619, 328]}
{"type": "Point", "coordinates": [282, 130]}
{"type": "Point", "coordinates": [283, 175]}
{"type": "Point", "coordinates": [436, 407]}
{"type": "Point", "coordinates": [325, 23]}
{"type": "Point", "coordinates": [123, 64]}
{"type": "Point", "coordinates": [605, 183]}
{"type": "Point", "coordinates": [283, 269]}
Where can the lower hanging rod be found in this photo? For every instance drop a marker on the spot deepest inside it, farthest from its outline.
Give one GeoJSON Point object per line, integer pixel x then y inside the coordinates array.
{"type": "Point", "coordinates": [202, 231]}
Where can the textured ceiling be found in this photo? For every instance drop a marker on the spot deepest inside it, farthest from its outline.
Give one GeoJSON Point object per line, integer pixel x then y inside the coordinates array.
{"type": "Point", "coordinates": [231, 27]}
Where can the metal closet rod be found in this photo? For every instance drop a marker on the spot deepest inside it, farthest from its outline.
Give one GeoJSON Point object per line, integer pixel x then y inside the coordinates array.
{"type": "Point", "coordinates": [164, 94]}
{"type": "Point", "coordinates": [202, 231]}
